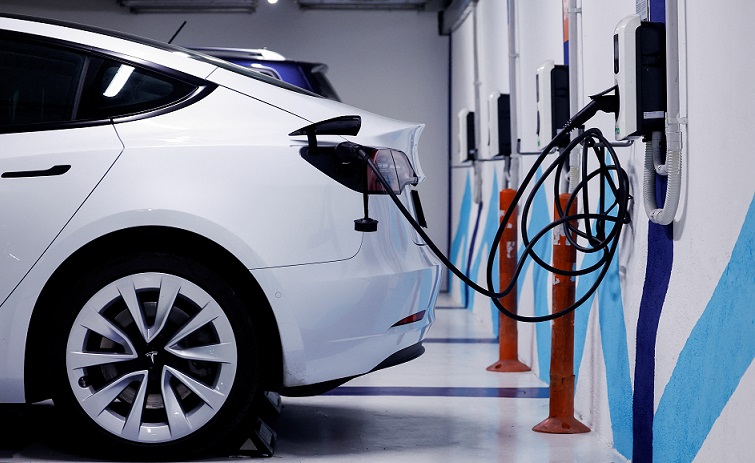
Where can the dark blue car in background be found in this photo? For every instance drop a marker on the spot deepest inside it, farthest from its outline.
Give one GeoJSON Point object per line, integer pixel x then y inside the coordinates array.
{"type": "Point", "coordinates": [309, 76]}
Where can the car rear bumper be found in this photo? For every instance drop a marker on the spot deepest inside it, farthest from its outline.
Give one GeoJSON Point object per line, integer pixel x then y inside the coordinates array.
{"type": "Point", "coordinates": [338, 320]}
{"type": "Point", "coordinates": [404, 355]}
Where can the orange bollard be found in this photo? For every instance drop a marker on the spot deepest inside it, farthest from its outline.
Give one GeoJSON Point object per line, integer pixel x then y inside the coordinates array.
{"type": "Point", "coordinates": [508, 343]}
{"type": "Point", "coordinates": [561, 406]}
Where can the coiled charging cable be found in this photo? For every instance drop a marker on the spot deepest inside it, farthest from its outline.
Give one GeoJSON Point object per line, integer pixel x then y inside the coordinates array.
{"type": "Point", "coordinates": [600, 230]}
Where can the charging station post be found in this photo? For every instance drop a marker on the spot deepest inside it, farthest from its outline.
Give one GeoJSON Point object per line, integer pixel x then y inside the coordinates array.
{"type": "Point", "coordinates": [508, 334]}
{"type": "Point", "coordinates": [561, 418]}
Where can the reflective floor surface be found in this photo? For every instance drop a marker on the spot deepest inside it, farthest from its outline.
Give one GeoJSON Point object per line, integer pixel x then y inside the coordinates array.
{"type": "Point", "coordinates": [441, 407]}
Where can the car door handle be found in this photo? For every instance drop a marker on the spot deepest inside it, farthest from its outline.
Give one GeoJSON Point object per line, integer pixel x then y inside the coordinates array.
{"type": "Point", "coordinates": [52, 171]}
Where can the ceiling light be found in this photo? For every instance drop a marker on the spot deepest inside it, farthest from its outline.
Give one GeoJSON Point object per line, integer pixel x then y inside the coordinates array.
{"type": "Point", "coordinates": [363, 4]}
{"type": "Point", "coordinates": [190, 6]}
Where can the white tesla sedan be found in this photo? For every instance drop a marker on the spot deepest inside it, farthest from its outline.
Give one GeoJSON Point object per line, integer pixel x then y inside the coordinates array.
{"type": "Point", "coordinates": [180, 234]}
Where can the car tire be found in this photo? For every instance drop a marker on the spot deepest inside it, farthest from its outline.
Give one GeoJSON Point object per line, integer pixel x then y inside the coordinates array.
{"type": "Point", "coordinates": [155, 355]}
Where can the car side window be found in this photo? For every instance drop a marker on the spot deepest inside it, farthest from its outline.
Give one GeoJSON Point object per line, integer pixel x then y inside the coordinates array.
{"type": "Point", "coordinates": [113, 89]}
{"type": "Point", "coordinates": [38, 83]}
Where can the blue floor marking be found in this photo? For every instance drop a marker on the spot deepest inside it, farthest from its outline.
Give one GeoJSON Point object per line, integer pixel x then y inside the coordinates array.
{"type": "Point", "coordinates": [461, 340]}
{"type": "Point", "coordinates": [409, 391]}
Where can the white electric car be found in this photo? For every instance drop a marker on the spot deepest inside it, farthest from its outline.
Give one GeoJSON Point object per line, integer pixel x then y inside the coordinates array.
{"type": "Point", "coordinates": [179, 234]}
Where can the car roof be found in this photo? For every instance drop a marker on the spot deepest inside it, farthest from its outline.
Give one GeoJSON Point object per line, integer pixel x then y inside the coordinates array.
{"type": "Point", "coordinates": [200, 65]}
{"type": "Point", "coordinates": [242, 53]}
{"type": "Point", "coordinates": [94, 29]}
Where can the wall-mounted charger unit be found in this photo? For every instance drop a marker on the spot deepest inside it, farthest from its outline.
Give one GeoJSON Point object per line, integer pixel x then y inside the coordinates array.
{"type": "Point", "coordinates": [467, 142]}
{"type": "Point", "coordinates": [552, 93]}
{"type": "Point", "coordinates": [639, 68]}
{"type": "Point", "coordinates": [499, 124]}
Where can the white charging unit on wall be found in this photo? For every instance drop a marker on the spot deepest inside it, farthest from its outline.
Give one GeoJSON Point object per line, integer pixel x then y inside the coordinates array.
{"type": "Point", "coordinates": [499, 124]}
{"type": "Point", "coordinates": [552, 94]}
{"type": "Point", "coordinates": [639, 68]}
{"type": "Point", "coordinates": [467, 143]}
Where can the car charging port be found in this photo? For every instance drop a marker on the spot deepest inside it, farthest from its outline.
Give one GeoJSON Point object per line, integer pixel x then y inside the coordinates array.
{"type": "Point", "coordinates": [384, 169]}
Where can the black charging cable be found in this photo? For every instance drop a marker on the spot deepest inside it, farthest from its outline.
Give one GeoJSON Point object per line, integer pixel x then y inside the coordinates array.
{"type": "Point", "coordinates": [615, 214]}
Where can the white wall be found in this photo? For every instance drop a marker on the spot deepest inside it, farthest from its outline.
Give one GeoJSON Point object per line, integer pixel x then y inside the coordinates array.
{"type": "Point", "coordinates": [392, 63]}
{"type": "Point", "coordinates": [663, 375]}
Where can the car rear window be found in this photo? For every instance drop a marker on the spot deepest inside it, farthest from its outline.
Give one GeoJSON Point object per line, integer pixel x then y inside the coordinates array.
{"type": "Point", "coordinates": [46, 85]}
{"type": "Point", "coordinates": [114, 89]}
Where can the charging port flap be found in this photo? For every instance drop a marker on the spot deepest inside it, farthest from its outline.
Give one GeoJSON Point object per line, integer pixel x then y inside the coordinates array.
{"type": "Point", "coordinates": [341, 125]}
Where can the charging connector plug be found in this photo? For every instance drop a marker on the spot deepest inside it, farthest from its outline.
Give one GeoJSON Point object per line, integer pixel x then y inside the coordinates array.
{"type": "Point", "coordinates": [348, 152]}
{"type": "Point", "coordinates": [607, 103]}
{"type": "Point", "coordinates": [603, 101]}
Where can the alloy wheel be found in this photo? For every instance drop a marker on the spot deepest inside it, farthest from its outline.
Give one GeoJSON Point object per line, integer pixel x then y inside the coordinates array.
{"type": "Point", "coordinates": [151, 357]}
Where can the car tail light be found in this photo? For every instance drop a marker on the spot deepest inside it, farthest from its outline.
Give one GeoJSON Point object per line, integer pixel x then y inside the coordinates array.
{"type": "Point", "coordinates": [410, 319]}
{"type": "Point", "coordinates": [395, 168]}
{"type": "Point", "coordinates": [347, 163]}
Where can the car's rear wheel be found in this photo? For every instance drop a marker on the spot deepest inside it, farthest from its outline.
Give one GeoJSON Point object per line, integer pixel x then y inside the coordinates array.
{"type": "Point", "coordinates": [158, 355]}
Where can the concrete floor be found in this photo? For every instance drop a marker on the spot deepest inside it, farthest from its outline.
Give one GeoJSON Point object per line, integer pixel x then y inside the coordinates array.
{"type": "Point", "coordinates": [441, 407]}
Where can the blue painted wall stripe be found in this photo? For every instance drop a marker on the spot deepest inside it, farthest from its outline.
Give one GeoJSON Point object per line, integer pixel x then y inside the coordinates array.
{"type": "Point", "coordinates": [613, 337]}
{"type": "Point", "coordinates": [582, 314]}
{"type": "Point", "coordinates": [718, 352]}
{"type": "Point", "coordinates": [459, 245]}
{"type": "Point", "coordinates": [476, 250]}
{"type": "Point", "coordinates": [657, 275]}
{"type": "Point", "coordinates": [541, 218]}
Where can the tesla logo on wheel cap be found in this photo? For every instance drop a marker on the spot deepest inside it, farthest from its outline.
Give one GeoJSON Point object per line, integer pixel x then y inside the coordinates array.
{"type": "Point", "coordinates": [152, 356]}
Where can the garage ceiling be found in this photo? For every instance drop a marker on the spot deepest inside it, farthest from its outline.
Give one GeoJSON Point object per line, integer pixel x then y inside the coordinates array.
{"type": "Point", "coordinates": [249, 6]}
{"type": "Point", "coordinates": [371, 4]}
{"type": "Point", "coordinates": [203, 6]}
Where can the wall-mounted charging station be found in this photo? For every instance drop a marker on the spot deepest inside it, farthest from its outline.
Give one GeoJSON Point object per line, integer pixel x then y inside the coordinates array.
{"type": "Point", "coordinates": [467, 142]}
{"type": "Point", "coordinates": [499, 124]}
{"type": "Point", "coordinates": [552, 93]}
{"type": "Point", "coordinates": [639, 68]}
